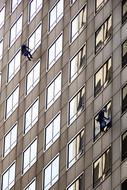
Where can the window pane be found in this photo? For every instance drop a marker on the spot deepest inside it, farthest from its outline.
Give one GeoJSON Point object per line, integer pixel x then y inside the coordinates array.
{"type": "Point", "coordinates": [124, 11]}
{"type": "Point", "coordinates": [1, 49]}
{"type": "Point", "coordinates": [124, 53]}
{"type": "Point", "coordinates": [99, 38]}
{"type": "Point", "coordinates": [124, 185]}
{"type": "Point", "coordinates": [107, 29]}
{"type": "Point", "coordinates": [124, 99]}
{"type": "Point", "coordinates": [78, 184]}
{"type": "Point", "coordinates": [124, 146]}
{"type": "Point", "coordinates": [31, 186]}
{"type": "Point", "coordinates": [14, 4]}
{"type": "Point", "coordinates": [107, 72]}
{"type": "Point", "coordinates": [35, 6]}
{"type": "Point", "coordinates": [2, 17]}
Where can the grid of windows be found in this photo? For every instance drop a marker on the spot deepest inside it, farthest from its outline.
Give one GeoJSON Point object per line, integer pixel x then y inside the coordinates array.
{"type": "Point", "coordinates": [12, 102]}
{"type": "Point", "coordinates": [77, 24]}
{"type": "Point", "coordinates": [1, 49]}
{"type": "Point", "coordinates": [8, 178]}
{"type": "Point", "coordinates": [103, 34]}
{"type": "Point", "coordinates": [14, 4]}
{"type": "Point", "coordinates": [51, 173]}
{"type": "Point", "coordinates": [15, 30]}
{"type": "Point", "coordinates": [124, 146]}
{"type": "Point", "coordinates": [2, 17]}
{"type": "Point", "coordinates": [124, 11]}
{"type": "Point", "coordinates": [31, 186]}
{"type": "Point", "coordinates": [14, 66]}
{"type": "Point", "coordinates": [34, 8]}
{"type": "Point", "coordinates": [32, 78]}
{"type": "Point", "coordinates": [100, 3]}
{"type": "Point", "coordinates": [77, 63]}
{"type": "Point", "coordinates": [52, 132]}
{"type": "Point", "coordinates": [75, 149]}
{"type": "Point", "coordinates": [107, 114]}
{"type": "Point", "coordinates": [56, 14]}
{"type": "Point", "coordinates": [103, 77]}
{"type": "Point", "coordinates": [102, 167]}
{"type": "Point", "coordinates": [53, 91]}
{"type": "Point", "coordinates": [77, 184]}
{"type": "Point", "coordinates": [10, 140]}
{"type": "Point", "coordinates": [124, 53]}
{"type": "Point", "coordinates": [35, 39]}
{"type": "Point", "coordinates": [76, 105]}
{"type": "Point", "coordinates": [124, 98]}
{"type": "Point", "coordinates": [29, 156]}
{"type": "Point", "coordinates": [55, 51]}
{"type": "Point", "coordinates": [31, 116]}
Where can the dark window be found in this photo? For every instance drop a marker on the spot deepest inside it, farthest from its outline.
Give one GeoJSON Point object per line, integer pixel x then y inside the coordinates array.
{"type": "Point", "coordinates": [102, 167]}
{"type": "Point", "coordinates": [103, 34]}
{"type": "Point", "coordinates": [124, 11]}
{"type": "Point", "coordinates": [99, 4]}
{"type": "Point", "coordinates": [103, 77]}
{"type": "Point", "coordinates": [124, 99]}
{"type": "Point", "coordinates": [124, 146]}
{"type": "Point", "coordinates": [124, 185]}
{"type": "Point", "coordinates": [124, 53]}
{"type": "Point", "coordinates": [107, 114]}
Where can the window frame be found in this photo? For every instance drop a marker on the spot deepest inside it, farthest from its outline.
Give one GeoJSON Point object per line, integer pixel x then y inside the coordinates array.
{"type": "Point", "coordinates": [57, 19]}
{"type": "Point", "coordinates": [123, 156]}
{"type": "Point", "coordinates": [123, 61]}
{"type": "Point", "coordinates": [30, 107]}
{"type": "Point", "coordinates": [36, 12]}
{"type": "Point", "coordinates": [57, 95]}
{"type": "Point", "coordinates": [7, 170]}
{"type": "Point", "coordinates": [97, 9]}
{"type": "Point", "coordinates": [17, 4]}
{"type": "Point", "coordinates": [12, 42]}
{"type": "Point", "coordinates": [53, 141]}
{"type": "Point", "coordinates": [72, 39]}
{"type": "Point", "coordinates": [124, 20]}
{"type": "Point", "coordinates": [29, 164]}
{"type": "Point", "coordinates": [43, 173]}
{"type": "Point", "coordinates": [37, 81]}
{"type": "Point", "coordinates": [77, 115]}
{"type": "Point", "coordinates": [102, 178]}
{"type": "Point", "coordinates": [80, 154]}
{"type": "Point", "coordinates": [13, 110]}
{"type": "Point", "coordinates": [10, 148]}
{"type": "Point", "coordinates": [105, 41]}
{"type": "Point", "coordinates": [80, 175]}
{"type": "Point", "coordinates": [96, 137]}
{"type": "Point", "coordinates": [27, 186]}
{"type": "Point", "coordinates": [125, 181]}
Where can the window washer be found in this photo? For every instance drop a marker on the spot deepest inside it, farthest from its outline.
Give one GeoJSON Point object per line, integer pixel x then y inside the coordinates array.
{"type": "Point", "coordinates": [26, 52]}
{"type": "Point", "coordinates": [102, 120]}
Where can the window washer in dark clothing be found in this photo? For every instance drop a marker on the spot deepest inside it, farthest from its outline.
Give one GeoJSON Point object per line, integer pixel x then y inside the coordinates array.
{"type": "Point", "coordinates": [102, 120]}
{"type": "Point", "coordinates": [26, 52]}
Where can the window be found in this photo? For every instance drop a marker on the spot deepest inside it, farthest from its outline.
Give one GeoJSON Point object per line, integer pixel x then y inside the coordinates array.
{"type": "Point", "coordinates": [75, 149]}
{"type": "Point", "coordinates": [8, 178]}
{"type": "Point", "coordinates": [34, 8]}
{"type": "Point", "coordinates": [35, 39]}
{"type": "Point", "coordinates": [78, 184]}
{"type": "Point", "coordinates": [103, 77]}
{"type": "Point", "coordinates": [72, 1]}
{"type": "Point", "coordinates": [31, 116]}
{"type": "Point", "coordinates": [15, 30]}
{"type": "Point", "coordinates": [14, 4]}
{"type": "Point", "coordinates": [52, 132]}
{"type": "Point", "coordinates": [1, 49]}
{"type": "Point", "coordinates": [55, 51]}
{"type": "Point", "coordinates": [2, 17]}
{"type": "Point", "coordinates": [76, 105]}
{"type": "Point", "coordinates": [124, 185]}
{"type": "Point", "coordinates": [100, 3]}
{"type": "Point", "coordinates": [31, 186]}
{"type": "Point", "coordinates": [77, 63]}
{"type": "Point", "coordinates": [102, 167]}
{"type": "Point", "coordinates": [124, 146]}
{"type": "Point", "coordinates": [12, 102]}
{"type": "Point", "coordinates": [124, 53]}
{"type": "Point", "coordinates": [124, 11]}
{"type": "Point", "coordinates": [32, 78]}
{"type": "Point", "coordinates": [103, 34]}
{"type": "Point", "coordinates": [53, 91]}
{"type": "Point", "coordinates": [51, 173]}
{"type": "Point", "coordinates": [77, 24]}
{"type": "Point", "coordinates": [56, 14]}
{"type": "Point", "coordinates": [107, 114]}
{"type": "Point", "coordinates": [30, 156]}
{"type": "Point", "coordinates": [14, 66]}
{"type": "Point", "coordinates": [124, 99]}
{"type": "Point", "coordinates": [10, 140]}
